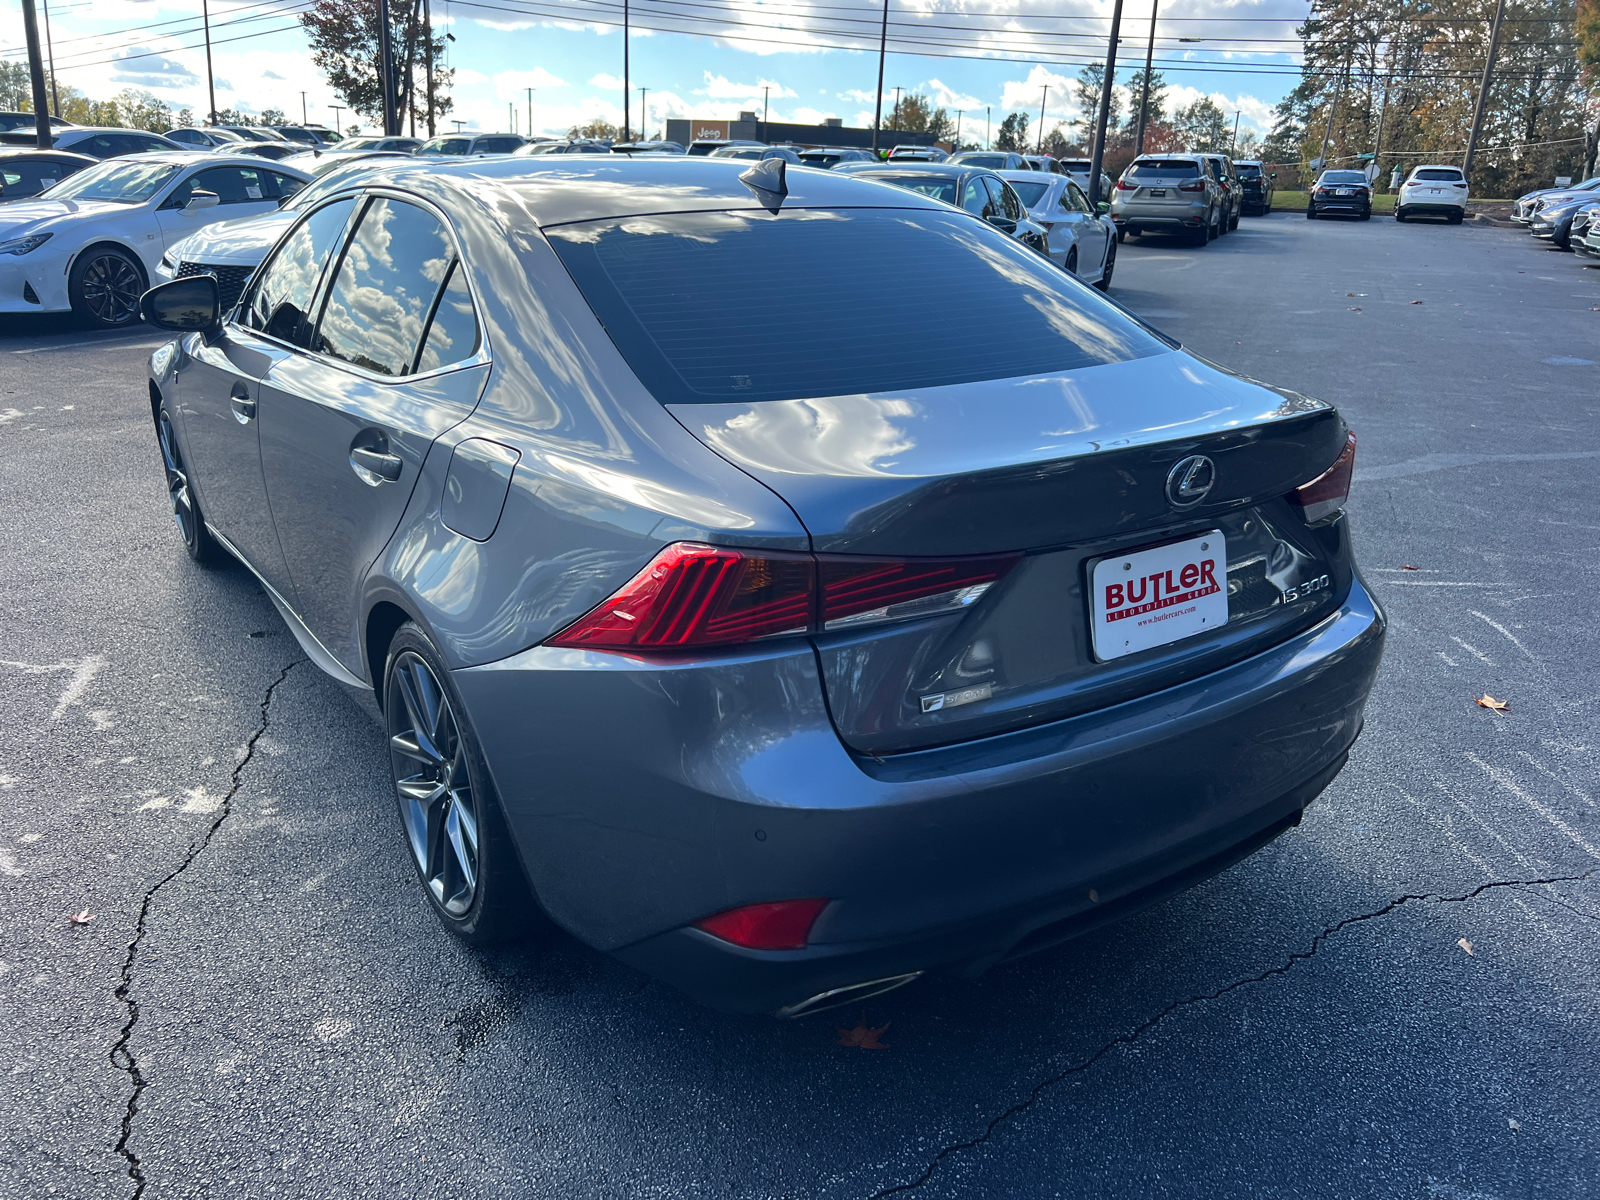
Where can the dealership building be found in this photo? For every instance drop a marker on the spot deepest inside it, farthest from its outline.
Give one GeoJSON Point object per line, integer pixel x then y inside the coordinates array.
{"type": "Point", "coordinates": [832, 132]}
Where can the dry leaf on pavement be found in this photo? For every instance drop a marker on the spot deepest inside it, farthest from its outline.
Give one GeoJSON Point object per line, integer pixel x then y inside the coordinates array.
{"type": "Point", "coordinates": [81, 918]}
{"type": "Point", "coordinates": [1409, 567]}
{"type": "Point", "coordinates": [1418, 302]}
{"type": "Point", "coordinates": [863, 1036]}
{"type": "Point", "coordinates": [1467, 946]}
{"type": "Point", "coordinates": [1493, 705]}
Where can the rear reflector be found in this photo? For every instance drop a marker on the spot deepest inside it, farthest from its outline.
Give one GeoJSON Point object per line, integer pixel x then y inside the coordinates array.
{"type": "Point", "coordinates": [1327, 493]}
{"type": "Point", "coordinates": [777, 925]}
{"type": "Point", "coordinates": [692, 595]}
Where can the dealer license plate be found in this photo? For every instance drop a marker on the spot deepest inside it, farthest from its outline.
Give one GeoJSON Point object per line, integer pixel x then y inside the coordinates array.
{"type": "Point", "coordinates": [1165, 594]}
{"type": "Point", "coordinates": [1344, 192]}
{"type": "Point", "coordinates": [1158, 191]}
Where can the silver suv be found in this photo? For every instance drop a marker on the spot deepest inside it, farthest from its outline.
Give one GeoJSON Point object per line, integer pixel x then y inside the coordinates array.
{"type": "Point", "coordinates": [1169, 193]}
{"type": "Point", "coordinates": [1222, 170]}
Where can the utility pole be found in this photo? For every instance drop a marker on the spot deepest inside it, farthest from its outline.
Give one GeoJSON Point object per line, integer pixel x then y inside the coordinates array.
{"type": "Point", "coordinates": [1105, 108]}
{"type": "Point", "coordinates": [302, 108]}
{"type": "Point", "coordinates": [530, 114]}
{"type": "Point", "coordinates": [391, 123]}
{"type": "Point", "coordinates": [767, 88]}
{"type": "Point", "coordinates": [511, 115]}
{"type": "Point", "coordinates": [644, 115]}
{"type": "Point", "coordinates": [337, 127]}
{"type": "Point", "coordinates": [1483, 90]}
{"type": "Point", "coordinates": [1377, 146]}
{"type": "Point", "coordinates": [427, 61]}
{"type": "Point", "coordinates": [894, 120]}
{"type": "Point", "coordinates": [987, 113]}
{"type": "Point", "coordinates": [883, 50]}
{"type": "Point", "coordinates": [41, 106]}
{"type": "Point", "coordinates": [1042, 101]}
{"type": "Point", "coordinates": [211, 86]}
{"type": "Point", "coordinates": [55, 93]}
{"type": "Point", "coordinates": [1333, 109]}
{"type": "Point", "coordinates": [1233, 146]}
{"type": "Point", "coordinates": [627, 98]}
{"type": "Point", "coordinates": [1144, 100]}
{"type": "Point", "coordinates": [958, 130]}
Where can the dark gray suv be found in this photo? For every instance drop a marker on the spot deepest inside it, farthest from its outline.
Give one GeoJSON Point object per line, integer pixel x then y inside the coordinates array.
{"type": "Point", "coordinates": [713, 619]}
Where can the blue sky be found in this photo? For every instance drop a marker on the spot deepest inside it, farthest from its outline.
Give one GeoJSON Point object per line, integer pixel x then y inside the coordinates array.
{"type": "Point", "coordinates": [730, 49]}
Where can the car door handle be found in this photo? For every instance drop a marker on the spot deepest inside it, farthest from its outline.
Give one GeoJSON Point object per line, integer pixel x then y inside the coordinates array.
{"type": "Point", "coordinates": [244, 408]}
{"type": "Point", "coordinates": [385, 466]}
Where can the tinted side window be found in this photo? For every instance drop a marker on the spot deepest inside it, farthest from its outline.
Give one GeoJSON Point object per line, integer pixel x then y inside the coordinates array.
{"type": "Point", "coordinates": [1075, 199]}
{"type": "Point", "coordinates": [27, 177]}
{"type": "Point", "coordinates": [281, 185]}
{"type": "Point", "coordinates": [385, 285]}
{"type": "Point", "coordinates": [281, 300]}
{"type": "Point", "coordinates": [1009, 204]}
{"type": "Point", "coordinates": [453, 332]}
{"type": "Point", "coordinates": [497, 145]}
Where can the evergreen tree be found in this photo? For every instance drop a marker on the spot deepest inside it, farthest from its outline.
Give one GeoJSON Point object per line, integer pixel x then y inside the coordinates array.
{"type": "Point", "coordinates": [1014, 134]}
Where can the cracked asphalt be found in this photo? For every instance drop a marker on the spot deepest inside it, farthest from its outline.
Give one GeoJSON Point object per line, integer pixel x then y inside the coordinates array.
{"type": "Point", "coordinates": [1397, 998]}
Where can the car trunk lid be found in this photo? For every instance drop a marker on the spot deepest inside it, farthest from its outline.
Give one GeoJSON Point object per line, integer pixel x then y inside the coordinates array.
{"type": "Point", "coordinates": [1063, 469]}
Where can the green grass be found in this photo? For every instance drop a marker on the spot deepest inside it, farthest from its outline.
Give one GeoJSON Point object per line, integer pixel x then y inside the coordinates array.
{"type": "Point", "coordinates": [1296, 202]}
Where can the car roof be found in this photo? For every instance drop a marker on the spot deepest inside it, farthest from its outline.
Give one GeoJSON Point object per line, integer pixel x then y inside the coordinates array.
{"type": "Point", "coordinates": [587, 188]}
{"type": "Point", "coordinates": [74, 129]}
{"type": "Point", "coordinates": [208, 161]}
{"type": "Point", "coordinates": [52, 155]}
{"type": "Point", "coordinates": [1436, 167]}
{"type": "Point", "coordinates": [1030, 176]}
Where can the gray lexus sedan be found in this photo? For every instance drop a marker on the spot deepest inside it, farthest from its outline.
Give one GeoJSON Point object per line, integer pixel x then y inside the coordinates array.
{"type": "Point", "coordinates": [782, 581]}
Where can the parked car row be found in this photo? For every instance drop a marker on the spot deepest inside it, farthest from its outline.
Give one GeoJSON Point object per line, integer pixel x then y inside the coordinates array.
{"type": "Point", "coordinates": [1198, 196]}
{"type": "Point", "coordinates": [1561, 216]}
{"type": "Point", "coordinates": [712, 620]}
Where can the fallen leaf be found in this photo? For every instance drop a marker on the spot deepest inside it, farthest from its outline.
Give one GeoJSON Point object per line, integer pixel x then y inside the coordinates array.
{"type": "Point", "coordinates": [1493, 705]}
{"type": "Point", "coordinates": [1419, 302]}
{"type": "Point", "coordinates": [863, 1036]}
{"type": "Point", "coordinates": [1355, 310]}
{"type": "Point", "coordinates": [1467, 946]}
{"type": "Point", "coordinates": [1349, 293]}
{"type": "Point", "coordinates": [1514, 1125]}
{"type": "Point", "coordinates": [81, 918]}
{"type": "Point", "coordinates": [1409, 567]}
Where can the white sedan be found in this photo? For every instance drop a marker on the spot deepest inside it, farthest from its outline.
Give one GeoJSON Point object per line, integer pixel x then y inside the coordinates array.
{"type": "Point", "coordinates": [91, 243]}
{"type": "Point", "coordinates": [1082, 241]}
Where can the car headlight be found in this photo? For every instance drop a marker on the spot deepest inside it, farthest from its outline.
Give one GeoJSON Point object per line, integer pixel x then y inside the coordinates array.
{"type": "Point", "coordinates": [25, 245]}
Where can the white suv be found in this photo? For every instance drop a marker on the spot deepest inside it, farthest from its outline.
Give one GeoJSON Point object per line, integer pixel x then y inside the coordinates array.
{"type": "Point", "coordinates": [1433, 191]}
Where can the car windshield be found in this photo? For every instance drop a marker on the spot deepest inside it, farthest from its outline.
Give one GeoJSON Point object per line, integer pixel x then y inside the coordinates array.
{"type": "Point", "coordinates": [748, 306]}
{"type": "Point", "coordinates": [992, 161]}
{"type": "Point", "coordinates": [1342, 177]}
{"type": "Point", "coordinates": [445, 146]}
{"type": "Point", "coordinates": [1030, 192]}
{"type": "Point", "coordinates": [826, 160]}
{"type": "Point", "coordinates": [119, 182]}
{"type": "Point", "coordinates": [1439, 174]}
{"type": "Point", "coordinates": [1163, 170]}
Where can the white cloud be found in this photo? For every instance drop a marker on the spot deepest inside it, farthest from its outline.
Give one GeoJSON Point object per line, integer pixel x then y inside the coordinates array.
{"type": "Point", "coordinates": [946, 97]}
{"type": "Point", "coordinates": [859, 95]}
{"type": "Point", "coordinates": [719, 87]}
{"type": "Point", "coordinates": [1027, 94]}
{"type": "Point", "coordinates": [614, 82]}
{"type": "Point", "coordinates": [512, 84]}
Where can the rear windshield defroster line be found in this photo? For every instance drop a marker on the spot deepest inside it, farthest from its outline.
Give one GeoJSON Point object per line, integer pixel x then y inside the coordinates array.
{"type": "Point", "coordinates": [712, 307]}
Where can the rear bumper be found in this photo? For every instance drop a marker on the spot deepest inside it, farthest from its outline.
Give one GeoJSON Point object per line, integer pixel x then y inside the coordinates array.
{"type": "Point", "coordinates": [644, 796]}
{"type": "Point", "coordinates": [1430, 208]}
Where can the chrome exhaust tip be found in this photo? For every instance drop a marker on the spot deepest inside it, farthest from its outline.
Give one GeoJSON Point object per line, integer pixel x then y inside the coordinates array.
{"type": "Point", "coordinates": [849, 994]}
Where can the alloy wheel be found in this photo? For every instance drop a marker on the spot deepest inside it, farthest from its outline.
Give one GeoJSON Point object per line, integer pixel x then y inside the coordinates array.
{"type": "Point", "coordinates": [111, 289]}
{"type": "Point", "coordinates": [178, 494]}
{"type": "Point", "coordinates": [433, 786]}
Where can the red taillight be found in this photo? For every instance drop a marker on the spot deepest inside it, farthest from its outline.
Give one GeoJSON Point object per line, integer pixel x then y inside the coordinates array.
{"type": "Point", "coordinates": [692, 595]}
{"type": "Point", "coordinates": [778, 925]}
{"type": "Point", "coordinates": [1124, 186]}
{"type": "Point", "coordinates": [1327, 493]}
{"type": "Point", "coordinates": [1194, 185]}
{"type": "Point", "coordinates": [863, 591]}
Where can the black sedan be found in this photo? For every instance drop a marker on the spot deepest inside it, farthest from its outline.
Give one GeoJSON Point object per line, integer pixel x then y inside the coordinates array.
{"type": "Point", "coordinates": [1257, 183]}
{"type": "Point", "coordinates": [978, 190]}
{"type": "Point", "coordinates": [1344, 192]}
{"type": "Point", "coordinates": [25, 172]}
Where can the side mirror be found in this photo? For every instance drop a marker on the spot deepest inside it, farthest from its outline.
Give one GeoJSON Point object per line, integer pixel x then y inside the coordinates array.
{"type": "Point", "coordinates": [1103, 207]}
{"type": "Point", "coordinates": [183, 305]}
{"type": "Point", "coordinates": [200, 199]}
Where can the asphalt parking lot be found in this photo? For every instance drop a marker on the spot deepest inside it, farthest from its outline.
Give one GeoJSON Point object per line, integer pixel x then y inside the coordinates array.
{"type": "Point", "coordinates": [1395, 999]}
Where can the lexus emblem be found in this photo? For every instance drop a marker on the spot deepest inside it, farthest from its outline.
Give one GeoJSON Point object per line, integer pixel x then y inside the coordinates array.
{"type": "Point", "coordinates": [1190, 480]}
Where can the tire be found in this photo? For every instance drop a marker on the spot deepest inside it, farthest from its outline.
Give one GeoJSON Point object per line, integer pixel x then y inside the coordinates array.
{"type": "Point", "coordinates": [1267, 211]}
{"type": "Point", "coordinates": [1110, 266]}
{"type": "Point", "coordinates": [1399, 215]}
{"type": "Point", "coordinates": [1233, 222]}
{"type": "Point", "coordinates": [1122, 235]}
{"type": "Point", "coordinates": [1072, 261]}
{"type": "Point", "coordinates": [1311, 213]}
{"type": "Point", "coordinates": [104, 287]}
{"type": "Point", "coordinates": [1200, 237]}
{"type": "Point", "coordinates": [450, 815]}
{"type": "Point", "coordinates": [197, 541]}
{"type": "Point", "coordinates": [1367, 216]}
{"type": "Point", "coordinates": [1455, 219]}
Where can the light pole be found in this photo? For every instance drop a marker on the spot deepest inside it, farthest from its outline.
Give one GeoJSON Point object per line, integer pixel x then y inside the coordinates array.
{"type": "Point", "coordinates": [1105, 108]}
{"type": "Point", "coordinates": [530, 112]}
{"type": "Point", "coordinates": [391, 124]}
{"type": "Point", "coordinates": [765, 109]}
{"type": "Point", "coordinates": [337, 109]}
{"type": "Point", "coordinates": [427, 35]}
{"type": "Point", "coordinates": [41, 107]}
{"type": "Point", "coordinates": [302, 108]}
{"type": "Point", "coordinates": [644, 115]}
{"type": "Point", "coordinates": [883, 50]}
{"type": "Point", "coordinates": [511, 115]}
{"type": "Point", "coordinates": [987, 145]}
{"type": "Point", "coordinates": [1144, 99]}
{"type": "Point", "coordinates": [458, 124]}
{"type": "Point", "coordinates": [1042, 100]}
{"type": "Point", "coordinates": [894, 119]}
{"type": "Point", "coordinates": [627, 99]}
{"type": "Point", "coordinates": [55, 94]}
{"type": "Point", "coordinates": [211, 86]}
{"type": "Point", "coordinates": [958, 130]}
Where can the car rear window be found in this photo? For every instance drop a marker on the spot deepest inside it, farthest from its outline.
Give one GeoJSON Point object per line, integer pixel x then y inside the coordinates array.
{"type": "Point", "coordinates": [1030, 193]}
{"type": "Point", "coordinates": [1343, 177]}
{"type": "Point", "coordinates": [1438, 173]}
{"type": "Point", "coordinates": [1248, 170]}
{"type": "Point", "coordinates": [716, 307]}
{"type": "Point", "coordinates": [994, 162]}
{"type": "Point", "coordinates": [1163, 169]}
{"type": "Point", "coordinates": [939, 187]}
